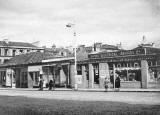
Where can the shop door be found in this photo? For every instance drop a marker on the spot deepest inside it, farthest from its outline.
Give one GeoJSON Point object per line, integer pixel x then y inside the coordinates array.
{"type": "Point", "coordinates": [96, 73]}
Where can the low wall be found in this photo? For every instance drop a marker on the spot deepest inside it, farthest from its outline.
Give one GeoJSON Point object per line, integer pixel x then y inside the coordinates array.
{"type": "Point", "coordinates": [131, 84]}
{"type": "Point", "coordinates": [154, 85]}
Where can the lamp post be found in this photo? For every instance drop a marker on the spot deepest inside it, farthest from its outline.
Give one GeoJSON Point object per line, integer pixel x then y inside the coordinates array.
{"type": "Point", "coordinates": [72, 25]}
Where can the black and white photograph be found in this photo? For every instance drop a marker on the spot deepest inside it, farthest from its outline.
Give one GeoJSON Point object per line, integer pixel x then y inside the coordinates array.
{"type": "Point", "coordinates": [79, 57]}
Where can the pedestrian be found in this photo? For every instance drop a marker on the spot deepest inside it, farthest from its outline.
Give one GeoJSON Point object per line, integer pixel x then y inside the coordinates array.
{"type": "Point", "coordinates": [41, 84]}
{"type": "Point", "coordinates": [112, 79]}
{"type": "Point", "coordinates": [50, 84]}
{"type": "Point", "coordinates": [54, 83]}
{"type": "Point", "coordinates": [117, 83]}
{"type": "Point", "coordinates": [106, 84]}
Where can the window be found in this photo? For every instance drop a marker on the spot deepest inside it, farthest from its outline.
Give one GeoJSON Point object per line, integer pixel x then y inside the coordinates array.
{"type": "Point", "coordinates": [21, 51]}
{"type": "Point", "coordinates": [136, 64]}
{"type": "Point", "coordinates": [28, 50]}
{"type": "Point", "coordinates": [14, 53]}
{"type": "Point", "coordinates": [5, 60]}
{"type": "Point", "coordinates": [150, 63]}
{"type": "Point", "coordinates": [6, 52]}
{"type": "Point", "coordinates": [119, 65]}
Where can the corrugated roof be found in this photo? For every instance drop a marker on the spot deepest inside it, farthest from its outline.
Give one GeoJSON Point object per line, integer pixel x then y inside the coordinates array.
{"type": "Point", "coordinates": [20, 44]}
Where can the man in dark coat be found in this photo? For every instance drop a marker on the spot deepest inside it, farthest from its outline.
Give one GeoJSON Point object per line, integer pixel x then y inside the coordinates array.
{"type": "Point", "coordinates": [41, 85]}
{"type": "Point", "coordinates": [117, 82]}
{"type": "Point", "coordinates": [112, 79]}
{"type": "Point", "coordinates": [50, 84]}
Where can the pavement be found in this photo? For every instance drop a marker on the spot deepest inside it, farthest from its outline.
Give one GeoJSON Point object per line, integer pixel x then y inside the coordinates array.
{"type": "Point", "coordinates": [88, 89]}
{"type": "Point", "coordinates": [134, 96]}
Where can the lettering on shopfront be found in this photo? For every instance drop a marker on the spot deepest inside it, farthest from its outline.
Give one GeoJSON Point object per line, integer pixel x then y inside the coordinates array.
{"type": "Point", "coordinates": [119, 53]}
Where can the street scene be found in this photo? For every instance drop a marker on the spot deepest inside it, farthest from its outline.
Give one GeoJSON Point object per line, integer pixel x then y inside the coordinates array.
{"type": "Point", "coordinates": [79, 57]}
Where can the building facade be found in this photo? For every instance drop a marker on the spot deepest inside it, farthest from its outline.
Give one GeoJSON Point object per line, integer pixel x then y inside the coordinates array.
{"type": "Point", "coordinates": [9, 49]}
{"type": "Point", "coordinates": [137, 68]}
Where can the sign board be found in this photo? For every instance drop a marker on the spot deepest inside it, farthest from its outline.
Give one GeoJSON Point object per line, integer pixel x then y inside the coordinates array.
{"type": "Point", "coordinates": [78, 79]}
{"type": "Point", "coordinates": [118, 53]}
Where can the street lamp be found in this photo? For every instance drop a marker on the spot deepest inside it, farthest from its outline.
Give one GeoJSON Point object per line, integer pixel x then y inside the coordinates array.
{"type": "Point", "coordinates": [72, 25]}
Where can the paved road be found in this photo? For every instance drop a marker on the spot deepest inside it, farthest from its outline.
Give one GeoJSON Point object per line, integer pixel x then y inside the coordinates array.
{"type": "Point", "coordinates": [127, 97]}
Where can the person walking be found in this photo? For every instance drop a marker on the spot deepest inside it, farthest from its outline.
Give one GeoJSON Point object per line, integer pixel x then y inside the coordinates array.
{"type": "Point", "coordinates": [117, 83]}
{"type": "Point", "coordinates": [41, 85]}
{"type": "Point", "coordinates": [50, 84]}
{"type": "Point", "coordinates": [106, 84]}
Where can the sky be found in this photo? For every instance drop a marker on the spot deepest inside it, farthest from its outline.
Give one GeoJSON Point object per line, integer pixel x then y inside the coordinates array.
{"type": "Point", "coordinates": [106, 21]}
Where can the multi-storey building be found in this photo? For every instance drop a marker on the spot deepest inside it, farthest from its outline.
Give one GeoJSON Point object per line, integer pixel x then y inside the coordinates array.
{"type": "Point", "coordinates": [9, 49]}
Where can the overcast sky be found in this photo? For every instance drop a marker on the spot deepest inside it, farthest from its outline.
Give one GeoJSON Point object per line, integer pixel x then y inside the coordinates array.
{"type": "Point", "coordinates": [107, 21]}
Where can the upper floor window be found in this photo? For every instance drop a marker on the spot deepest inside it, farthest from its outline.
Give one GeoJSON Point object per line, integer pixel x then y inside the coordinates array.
{"type": "Point", "coordinates": [21, 51]}
{"type": "Point", "coordinates": [6, 52]}
{"type": "Point", "coordinates": [14, 53]}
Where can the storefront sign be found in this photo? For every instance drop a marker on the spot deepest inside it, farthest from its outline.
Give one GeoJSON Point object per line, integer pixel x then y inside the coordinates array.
{"type": "Point", "coordinates": [119, 53]}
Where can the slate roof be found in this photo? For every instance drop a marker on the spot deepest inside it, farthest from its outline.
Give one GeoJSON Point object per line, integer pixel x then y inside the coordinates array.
{"type": "Point", "coordinates": [29, 58]}
{"type": "Point", "coordinates": [17, 44]}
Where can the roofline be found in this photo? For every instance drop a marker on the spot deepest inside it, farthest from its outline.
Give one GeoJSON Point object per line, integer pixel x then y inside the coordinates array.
{"type": "Point", "coordinates": [57, 59]}
{"type": "Point", "coordinates": [19, 47]}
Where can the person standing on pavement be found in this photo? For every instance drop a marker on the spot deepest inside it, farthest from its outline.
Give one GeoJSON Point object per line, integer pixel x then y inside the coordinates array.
{"type": "Point", "coordinates": [50, 84]}
{"type": "Point", "coordinates": [117, 82]}
{"type": "Point", "coordinates": [41, 84]}
{"type": "Point", "coordinates": [54, 83]}
{"type": "Point", "coordinates": [106, 84]}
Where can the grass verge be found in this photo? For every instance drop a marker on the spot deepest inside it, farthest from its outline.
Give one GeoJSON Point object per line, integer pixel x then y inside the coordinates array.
{"type": "Point", "coordinates": [32, 106]}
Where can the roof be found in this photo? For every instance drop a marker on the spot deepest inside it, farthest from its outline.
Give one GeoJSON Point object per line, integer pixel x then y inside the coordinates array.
{"type": "Point", "coordinates": [17, 44]}
{"type": "Point", "coordinates": [29, 58]}
{"type": "Point", "coordinates": [107, 47]}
